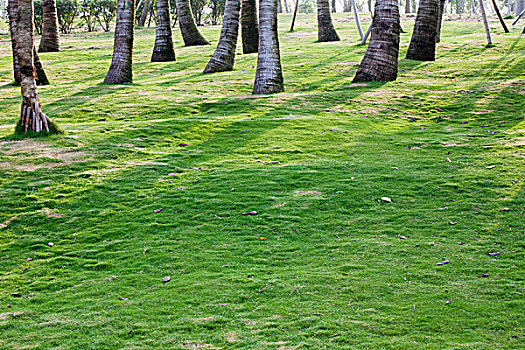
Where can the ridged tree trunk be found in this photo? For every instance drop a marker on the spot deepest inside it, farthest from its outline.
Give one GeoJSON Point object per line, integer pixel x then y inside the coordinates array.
{"type": "Point", "coordinates": [325, 27]}
{"type": "Point", "coordinates": [144, 14]}
{"type": "Point", "coordinates": [224, 55]}
{"type": "Point", "coordinates": [269, 75]}
{"type": "Point", "coordinates": [163, 50]}
{"type": "Point", "coordinates": [249, 27]}
{"type": "Point", "coordinates": [188, 27]}
{"type": "Point", "coordinates": [49, 41]}
{"type": "Point", "coordinates": [423, 42]}
{"type": "Point", "coordinates": [380, 62]}
{"type": "Point", "coordinates": [121, 69]}
{"type": "Point", "coordinates": [41, 78]}
{"type": "Point", "coordinates": [440, 20]}
{"type": "Point", "coordinates": [32, 119]}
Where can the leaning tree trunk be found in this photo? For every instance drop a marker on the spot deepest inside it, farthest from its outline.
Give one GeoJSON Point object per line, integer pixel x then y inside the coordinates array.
{"type": "Point", "coordinates": [121, 69]}
{"type": "Point", "coordinates": [325, 28]}
{"type": "Point", "coordinates": [440, 20]}
{"type": "Point", "coordinates": [357, 22]}
{"type": "Point", "coordinates": [49, 41]}
{"type": "Point", "coordinates": [500, 17]}
{"type": "Point", "coordinates": [485, 23]}
{"type": "Point", "coordinates": [249, 27]}
{"type": "Point", "coordinates": [188, 28]}
{"type": "Point", "coordinates": [144, 14]}
{"type": "Point", "coordinates": [41, 78]}
{"type": "Point", "coordinates": [269, 75]}
{"type": "Point", "coordinates": [32, 119]}
{"type": "Point", "coordinates": [163, 50]}
{"type": "Point", "coordinates": [423, 43]}
{"type": "Point", "coordinates": [381, 58]}
{"type": "Point", "coordinates": [224, 56]}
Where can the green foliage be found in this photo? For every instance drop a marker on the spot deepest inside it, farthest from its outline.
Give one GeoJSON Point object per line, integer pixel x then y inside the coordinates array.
{"type": "Point", "coordinates": [38, 15]}
{"type": "Point", "coordinates": [67, 12]}
{"type": "Point", "coordinates": [333, 272]}
{"type": "Point", "coordinates": [217, 10]}
{"type": "Point", "coordinates": [307, 6]}
{"type": "Point", "coordinates": [102, 12]}
{"type": "Point", "coordinates": [197, 7]}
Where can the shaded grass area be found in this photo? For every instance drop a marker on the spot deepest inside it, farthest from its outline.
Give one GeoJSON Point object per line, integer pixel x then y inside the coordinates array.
{"type": "Point", "coordinates": [445, 142]}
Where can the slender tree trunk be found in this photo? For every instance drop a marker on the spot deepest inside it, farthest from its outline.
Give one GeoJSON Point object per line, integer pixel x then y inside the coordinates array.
{"type": "Point", "coordinates": [485, 23]}
{"type": "Point", "coordinates": [163, 50]}
{"type": "Point", "coordinates": [380, 62]}
{"type": "Point", "coordinates": [500, 17]}
{"type": "Point", "coordinates": [49, 41]}
{"type": "Point", "coordinates": [459, 7]}
{"type": "Point", "coordinates": [144, 14]}
{"type": "Point", "coordinates": [363, 41]}
{"type": "Point", "coordinates": [423, 43]}
{"type": "Point", "coordinates": [224, 56]}
{"type": "Point", "coordinates": [121, 69]}
{"type": "Point", "coordinates": [325, 28]}
{"type": "Point", "coordinates": [32, 119]}
{"type": "Point", "coordinates": [286, 6]}
{"type": "Point", "coordinates": [408, 8]}
{"type": "Point", "coordinates": [269, 75]}
{"type": "Point", "coordinates": [279, 6]}
{"type": "Point", "coordinates": [357, 22]}
{"type": "Point", "coordinates": [41, 78]}
{"type": "Point", "coordinates": [334, 10]}
{"type": "Point", "coordinates": [520, 6]}
{"type": "Point", "coordinates": [347, 6]}
{"type": "Point", "coordinates": [440, 20]}
{"type": "Point", "coordinates": [294, 15]}
{"type": "Point", "coordinates": [249, 27]}
{"type": "Point", "coordinates": [188, 28]}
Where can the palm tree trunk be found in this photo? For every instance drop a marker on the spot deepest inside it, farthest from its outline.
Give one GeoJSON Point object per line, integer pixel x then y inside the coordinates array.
{"type": "Point", "coordinates": [500, 17]}
{"type": "Point", "coordinates": [423, 42]}
{"type": "Point", "coordinates": [357, 22]}
{"type": "Point", "coordinates": [333, 7]}
{"type": "Point", "coordinates": [485, 23]}
{"type": "Point", "coordinates": [269, 75]}
{"type": "Point", "coordinates": [32, 119]}
{"type": "Point", "coordinates": [121, 69]}
{"type": "Point", "coordinates": [279, 6]}
{"type": "Point", "coordinates": [144, 14]}
{"type": "Point", "coordinates": [408, 8]}
{"type": "Point", "coordinates": [381, 58]}
{"type": "Point", "coordinates": [188, 28]}
{"type": "Point", "coordinates": [163, 50]}
{"type": "Point", "coordinates": [325, 28]}
{"type": "Point", "coordinates": [294, 15]}
{"type": "Point", "coordinates": [440, 20]}
{"type": "Point", "coordinates": [41, 78]}
{"type": "Point", "coordinates": [249, 27]}
{"type": "Point", "coordinates": [49, 41]}
{"type": "Point", "coordinates": [224, 56]}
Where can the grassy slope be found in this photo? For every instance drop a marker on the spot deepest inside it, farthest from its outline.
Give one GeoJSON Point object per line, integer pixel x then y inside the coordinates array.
{"type": "Point", "coordinates": [333, 272]}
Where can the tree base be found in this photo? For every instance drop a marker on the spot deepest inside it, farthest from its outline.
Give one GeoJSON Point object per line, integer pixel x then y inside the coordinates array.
{"type": "Point", "coordinates": [163, 56]}
{"type": "Point", "coordinates": [48, 49]}
{"type": "Point", "coordinates": [199, 42]}
{"type": "Point", "coordinates": [33, 122]}
{"type": "Point", "coordinates": [328, 36]}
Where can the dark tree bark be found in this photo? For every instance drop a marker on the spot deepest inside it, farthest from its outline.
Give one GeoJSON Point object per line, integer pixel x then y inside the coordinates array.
{"type": "Point", "coordinates": [381, 58]}
{"type": "Point", "coordinates": [249, 27]}
{"type": "Point", "coordinates": [49, 41]}
{"type": "Point", "coordinates": [440, 20]}
{"type": "Point", "coordinates": [325, 27]}
{"type": "Point", "coordinates": [423, 42]}
{"type": "Point", "coordinates": [41, 78]}
{"type": "Point", "coordinates": [269, 75]}
{"type": "Point", "coordinates": [224, 56]}
{"type": "Point", "coordinates": [163, 50]}
{"type": "Point", "coordinates": [279, 6]}
{"type": "Point", "coordinates": [144, 14]}
{"type": "Point", "coordinates": [333, 7]}
{"type": "Point", "coordinates": [32, 119]}
{"type": "Point", "coordinates": [294, 15]}
{"type": "Point", "coordinates": [500, 17]}
{"type": "Point", "coordinates": [121, 69]}
{"type": "Point", "coordinates": [408, 8]}
{"type": "Point", "coordinates": [188, 28]}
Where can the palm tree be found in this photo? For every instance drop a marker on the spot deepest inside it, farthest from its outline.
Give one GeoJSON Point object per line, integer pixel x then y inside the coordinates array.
{"type": "Point", "coordinates": [224, 56]}
{"type": "Point", "coordinates": [269, 75]}
{"type": "Point", "coordinates": [249, 27]}
{"type": "Point", "coordinates": [41, 78]}
{"type": "Point", "coordinates": [440, 20]}
{"type": "Point", "coordinates": [49, 41]}
{"type": "Point", "coordinates": [163, 50]}
{"type": "Point", "coordinates": [325, 28]}
{"type": "Point", "coordinates": [188, 28]}
{"type": "Point", "coordinates": [381, 58]}
{"type": "Point", "coordinates": [144, 15]}
{"type": "Point", "coordinates": [32, 119]}
{"type": "Point", "coordinates": [423, 42]}
{"type": "Point", "coordinates": [121, 69]}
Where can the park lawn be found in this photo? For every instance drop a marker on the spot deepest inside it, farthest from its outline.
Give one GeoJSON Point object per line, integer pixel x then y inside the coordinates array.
{"type": "Point", "coordinates": [126, 205]}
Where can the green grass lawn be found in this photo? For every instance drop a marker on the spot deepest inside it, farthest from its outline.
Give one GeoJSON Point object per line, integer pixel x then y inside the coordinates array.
{"type": "Point", "coordinates": [445, 142]}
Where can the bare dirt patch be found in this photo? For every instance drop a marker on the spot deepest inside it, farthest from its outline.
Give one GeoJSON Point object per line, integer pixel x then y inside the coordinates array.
{"type": "Point", "coordinates": [5, 223]}
{"type": "Point", "coordinates": [195, 345]}
{"type": "Point", "coordinates": [313, 193]}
